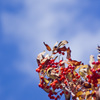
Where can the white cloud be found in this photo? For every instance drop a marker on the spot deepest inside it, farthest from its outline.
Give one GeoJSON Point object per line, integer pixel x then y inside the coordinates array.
{"type": "Point", "coordinates": [41, 21]}
{"type": "Point", "coordinates": [84, 45]}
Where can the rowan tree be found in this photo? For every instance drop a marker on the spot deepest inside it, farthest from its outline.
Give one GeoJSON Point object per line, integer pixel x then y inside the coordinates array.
{"type": "Point", "coordinates": [68, 77]}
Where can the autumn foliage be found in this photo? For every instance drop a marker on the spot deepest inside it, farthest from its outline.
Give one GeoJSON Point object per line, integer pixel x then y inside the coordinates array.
{"type": "Point", "coordinates": [68, 77]}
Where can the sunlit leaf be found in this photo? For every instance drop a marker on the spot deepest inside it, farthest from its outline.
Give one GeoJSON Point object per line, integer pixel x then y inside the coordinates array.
{"type": "Point", "coordinates": [46, 81]}
{"type": "Point", "coordinates": [79, 93]}
{"type": "Point", "coordinates": [98, 81]}
{"type": "Point", "coordinates": [89, 97]}
{"type": "Point", "coordinates": [83, 70]}
{"type": "Point", "coordinates": [52, 75]}
{"type": "Point", "coordinates": [47, 56]}
{"type": "Point", "coordinates": [87, 93]}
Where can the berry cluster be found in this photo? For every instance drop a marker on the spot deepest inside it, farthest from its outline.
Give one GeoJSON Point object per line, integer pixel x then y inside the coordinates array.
{"type": "Point", "coordinates": [58, 75]}
{"type": "Point", "coordinates": [94, 74]}
{"type": "Point", "coordinates": [68, 77]}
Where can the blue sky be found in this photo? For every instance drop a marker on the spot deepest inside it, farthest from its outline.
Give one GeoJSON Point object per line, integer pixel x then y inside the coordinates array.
{"type": "Point", "coordinates": [26, 24]}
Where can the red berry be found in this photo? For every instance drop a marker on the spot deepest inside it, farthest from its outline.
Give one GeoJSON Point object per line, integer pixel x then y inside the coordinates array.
{"type": "Point", "coordinates": [93, 62]}
{"type": "Point", "coordinates": [52, 60]}
{"type": "Point", "coordinates": [58, 96]}
{"type": "Point", "coordinates": [39, 84]}
{"type": "Point", "coordinates": [93, 70]}
{"type": "Point", "coordinates": [95, 85]}
{"type": "Point", "coordinates": [55, 93]}
{"type": "Point", "coordinates": [38, 70]}
{"type": "Point", "coordinates": [55, 98]}
{"type": "Point", "coordinates": [62, 91]}
{"type": "Point", "coordinates": [65, 69]}
{"type": "Point", "coordinates": [68, 70]}
{"type": "Point", "coordinates": [61, 94]}
{"type": "Point", "coordinates": [41, 77]}
{"type": "Point", "coordinates": [47, 87]}
{"type": "Point", "coordinates": [78, 77]}
{"type": "Point", "coordinates": [57, 71]}
{"type": "Point", "coordinates": [40, 66]}
{"type": "Point", "coordinates": [66, 92]}
{"type": "Point", "coordinates": [61, 86]}
{"type": "Point", "coordinates": [59, 52]}
{"type": "Point", "coordinates": [88, 76]}
{"type": "Point", "coordinates": [89, 80]}
{"type": "Point", "coordinates": [64, 73]}
{"type": "Point", "coordinates": [49, 95]}
{"type": "Point", "coordinates": [53, 66]}
{"type": "Point", "coordinates": [61, 68]}
{"type": "Point", "coordinates": [55, 81]}
{"type": "Point", "coordinates": [97, 63]}
{"type": "Point", "coordinates": [42, 86]}
{"type": "Point", "coordinates": [60, 64]}
{"type": "Point", "coordinates": [48, 66]}
{"type": "Point", "coordinates": [74, 80]}
{"type": "Point", "coordinates": [98, 69]}
{"type": "Point", "coordinates": [60, 61]}
{"type": "Point", "coordinates": [76, 74]}
{"type": "Point", "coordinates": [42, 63]}
{"type": "Point", "coordinates": [63, 53]}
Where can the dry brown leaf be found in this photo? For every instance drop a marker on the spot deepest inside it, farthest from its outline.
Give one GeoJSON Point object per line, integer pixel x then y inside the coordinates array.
{"type": "Point", "coordinates": [74, 62]}
{"type": "Point", "coordinates": [62, 43]}
{"type": "Point", "coordinates": [76, 67]}
{"type": "Point", "coordinates": [55, 58]}
{"type": "Point", "coordinates": [63, 48]}
{"type": "Point", "coordinates": [54, 52]}
{"type": "Point", "coordinates": [47, 46]}
{"type": "Point", "coordinates": [68, 53]}
{"type": "Point", "coordinates": [40, 57]}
